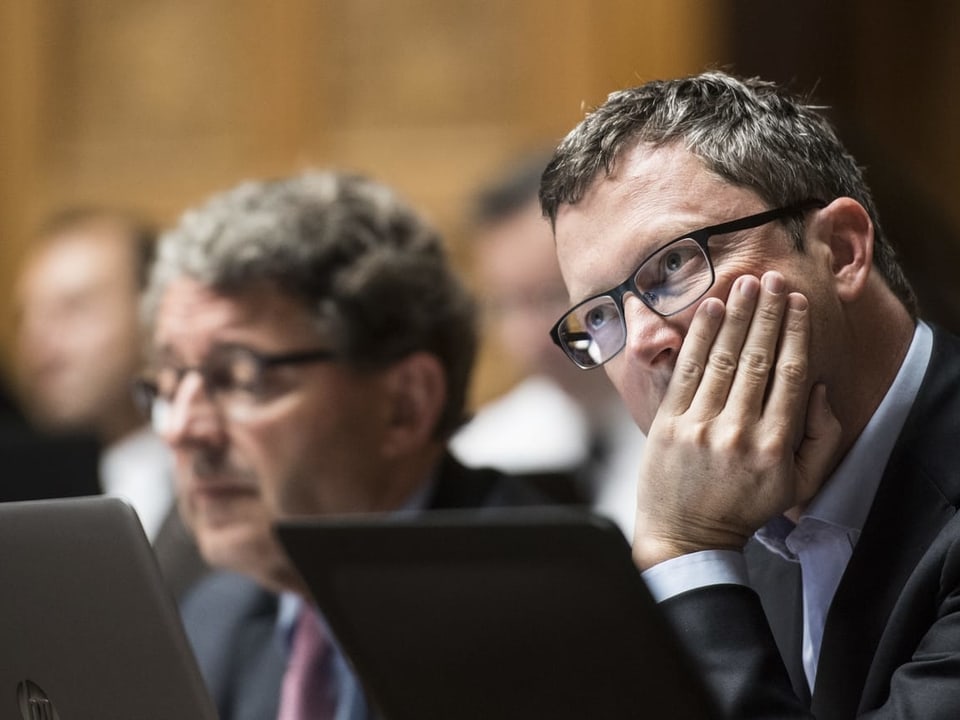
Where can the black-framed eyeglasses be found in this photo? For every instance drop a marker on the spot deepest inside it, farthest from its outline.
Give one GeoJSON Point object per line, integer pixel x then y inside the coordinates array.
{"type": "Point", "coordinates": [668, 281]}
{"type": "Point", "coordinates": [232, 374]}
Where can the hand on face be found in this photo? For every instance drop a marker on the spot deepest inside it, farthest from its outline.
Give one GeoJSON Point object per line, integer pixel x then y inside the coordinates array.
{"type": "Point", "coordinates": [739, 437]}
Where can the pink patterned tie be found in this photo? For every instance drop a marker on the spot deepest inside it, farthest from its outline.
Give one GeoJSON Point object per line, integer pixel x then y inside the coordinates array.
{"type": "Point", "coordinates": [307, 692]}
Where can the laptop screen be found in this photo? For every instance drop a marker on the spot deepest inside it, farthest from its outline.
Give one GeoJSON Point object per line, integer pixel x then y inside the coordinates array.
{"type": "Point", "coordinates": [89, 629]}
{"type": "Point", "coordinates": [508, 614]}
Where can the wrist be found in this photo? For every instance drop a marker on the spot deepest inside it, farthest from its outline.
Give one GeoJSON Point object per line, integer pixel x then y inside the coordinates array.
{"type": "Point", "coordinates": [651, 548]}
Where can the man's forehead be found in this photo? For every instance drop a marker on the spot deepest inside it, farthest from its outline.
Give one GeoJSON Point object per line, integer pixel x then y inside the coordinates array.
{"type": "Point", "coordinates": [642, 184]}
{"type": "Point", "coordinates": [652, 195]}
{"type": "Point", "coordinates": [645, 177]}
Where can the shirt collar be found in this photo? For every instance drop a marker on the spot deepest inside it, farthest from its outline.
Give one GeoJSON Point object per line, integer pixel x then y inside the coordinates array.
{"type": "Point", "coordinates": [846, 497]}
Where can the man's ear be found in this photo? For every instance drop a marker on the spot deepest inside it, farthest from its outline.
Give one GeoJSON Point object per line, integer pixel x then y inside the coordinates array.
{"type": "Point", "coordinates": [848, 232]}
{"type": "Point", "coordinates": [416, 393]}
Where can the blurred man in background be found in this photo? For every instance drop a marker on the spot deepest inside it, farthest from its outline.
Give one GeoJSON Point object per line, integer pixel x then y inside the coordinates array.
{"type": "Point", "coordinates": [77, 352]}
{"type": "Point", "coordinates": [311, 353]}
{"type": "Point", "coordinates": [557, 424]}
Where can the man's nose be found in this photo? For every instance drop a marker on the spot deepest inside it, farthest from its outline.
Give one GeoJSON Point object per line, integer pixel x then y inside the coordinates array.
{"type": "Point", "coordinates": [651, 339]}
{"type": "Point", "coordinates": [192, 416]}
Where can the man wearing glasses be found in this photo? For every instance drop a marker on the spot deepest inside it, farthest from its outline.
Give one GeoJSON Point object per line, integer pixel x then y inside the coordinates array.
{"type": "Point", "coordinates": [311, 349]}
{"type": "Point", "coordinates": [798, 491]}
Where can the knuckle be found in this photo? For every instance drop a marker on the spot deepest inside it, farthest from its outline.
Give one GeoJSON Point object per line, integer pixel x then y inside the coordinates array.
{"type": "Point", "coordinates": [739, 314]}
{"type": "Point", "coordinates": [732, 439]}
{"type": "Point", "coordinates": [756, 363]}
{"type": "Point", "coordinates": [723, 362]}
{"type": "Point", "coordinates": [699, 434]}
{"type": "Point", "coordinates": [772, 448]}
{"type": "Point", "coordinates": [796, 323]}
{"type": "Point", "coordinates": [793, 371]}
{"type": "Point", "coordinates": [688, 370]}
{"type": "Point", "coordinates": [769, 314]}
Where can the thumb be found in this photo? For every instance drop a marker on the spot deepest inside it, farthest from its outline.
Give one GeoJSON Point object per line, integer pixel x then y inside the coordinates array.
{"type": "Point", "coordinates": [815, 456]}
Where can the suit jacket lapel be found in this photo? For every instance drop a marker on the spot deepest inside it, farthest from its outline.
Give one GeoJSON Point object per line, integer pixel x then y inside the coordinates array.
{"type": "Point", "coordinates": [915, 499]}
{"type": "Point", "coordinates": [778, 582]}
{"type": "Point", "coordinates": [457, 486]}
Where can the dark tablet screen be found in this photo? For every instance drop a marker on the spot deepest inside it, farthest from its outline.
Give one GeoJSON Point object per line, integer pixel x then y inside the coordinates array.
{"type": "Point", "coordinates": [523, 613]}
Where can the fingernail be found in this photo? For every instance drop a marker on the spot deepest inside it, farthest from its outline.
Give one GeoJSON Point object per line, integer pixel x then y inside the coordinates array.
{"type": "Point", "coordinates": [713, 307]}
{"type": "Point", "coordinates": [748, 286]}
{"type": "Point", "coordinates": [773, 282]}
{"type": "Point", "coordinates": [796, 301]}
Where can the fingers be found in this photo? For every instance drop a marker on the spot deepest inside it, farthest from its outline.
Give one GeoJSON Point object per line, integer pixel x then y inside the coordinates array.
{"type": "Point", "coordinates": [724, 356]}
{"type": "Point", "coordinates": [788, 390]}
{"type": "Point", "coordinates": [743, 357]}
{"type": "Point", "coordinates": [759, 353]}
{"type": "Point", "coordinates": [737, 369]}
{"type": "Point", "coordinates": [691, 361]}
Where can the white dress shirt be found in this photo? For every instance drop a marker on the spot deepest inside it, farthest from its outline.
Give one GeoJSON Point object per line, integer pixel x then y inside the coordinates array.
{"type": "Point", "coordinates": [139, 469]}
{"type": "Point", "coordinates": [537, 427]}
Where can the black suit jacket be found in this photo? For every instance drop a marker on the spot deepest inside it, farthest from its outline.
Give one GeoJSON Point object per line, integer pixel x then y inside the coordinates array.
{"type": "Point", "coordinates": [891, 644]}
{"type": "Point", "coordinates": [231, 621]}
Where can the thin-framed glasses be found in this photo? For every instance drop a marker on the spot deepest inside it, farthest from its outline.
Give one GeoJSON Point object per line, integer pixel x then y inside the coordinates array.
{"type": "Point", "coordinates": [234, 376]}
{"type": "Point", "coordinates": [668, 281]}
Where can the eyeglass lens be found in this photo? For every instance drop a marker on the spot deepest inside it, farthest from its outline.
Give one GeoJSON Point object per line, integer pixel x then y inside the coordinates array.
{"type": "Point", "coordinates": [232, 376]}
{"type": "Point", "coordinates": [670, 280]}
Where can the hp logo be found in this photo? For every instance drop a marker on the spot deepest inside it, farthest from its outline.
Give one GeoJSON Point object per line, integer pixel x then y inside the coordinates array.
{"type": "Point", "coordinates": [34, 703]}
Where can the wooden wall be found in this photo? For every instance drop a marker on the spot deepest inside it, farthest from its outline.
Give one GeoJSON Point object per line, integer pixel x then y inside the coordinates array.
{"type": "Point", "coordinates": [157, 104]}
{"type": "Point", "coordinates": [888, 73]}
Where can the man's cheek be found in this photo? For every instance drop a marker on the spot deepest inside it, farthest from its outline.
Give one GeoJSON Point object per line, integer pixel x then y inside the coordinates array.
{"type": "Point", "coordinates": [641, 395]}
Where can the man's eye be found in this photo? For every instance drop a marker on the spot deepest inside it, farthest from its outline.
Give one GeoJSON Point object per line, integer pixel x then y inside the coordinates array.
{"type": "Point", "coordinates": [679, 259]}
{"type": "Point", "coordinates": [237, 373]}
{"type": "Point", "coordinates": [674, 261]}
{"type": "Point", "coordinates": [596, 317]}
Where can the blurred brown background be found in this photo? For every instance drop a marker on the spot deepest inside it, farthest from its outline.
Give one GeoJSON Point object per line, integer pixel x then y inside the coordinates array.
{"type": "Point", "coordinates": [156, 104]}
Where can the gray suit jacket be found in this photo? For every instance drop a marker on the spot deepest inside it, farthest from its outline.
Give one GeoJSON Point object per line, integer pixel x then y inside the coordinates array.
{"type": "Point", "coordinates": [231, 622]}
{"type": "Point", "coordinates": [891, 644]}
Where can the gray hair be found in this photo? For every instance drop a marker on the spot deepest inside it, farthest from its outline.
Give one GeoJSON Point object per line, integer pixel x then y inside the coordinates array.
{"type": "Point", "coordinates": [747, 131]}
{"type": "Point", "coordinates": [370, 270]}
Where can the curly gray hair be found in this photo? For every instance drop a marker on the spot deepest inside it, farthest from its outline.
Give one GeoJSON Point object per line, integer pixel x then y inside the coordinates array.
{"type": "Point", "coordinates": [747, 131]}
{"type": "Point", "coordinates": [366, 266]}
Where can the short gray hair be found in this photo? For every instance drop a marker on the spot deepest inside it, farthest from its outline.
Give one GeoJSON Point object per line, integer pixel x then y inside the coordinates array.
{"type": "Point", "coordinates": [747, 131]}
{"type": "Point", "coordinates": [366, 266]}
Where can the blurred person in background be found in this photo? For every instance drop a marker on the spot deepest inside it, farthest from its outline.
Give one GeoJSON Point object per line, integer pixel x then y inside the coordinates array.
{"type": "Point", "coordinates": [311, 351]}
{"type": "Point", "coordinates": [77, 352]}
{"type": "Point", "coordinates": [567, 429]}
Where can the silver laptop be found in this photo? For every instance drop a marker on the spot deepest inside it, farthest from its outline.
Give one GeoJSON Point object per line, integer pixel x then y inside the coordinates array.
{"type": "Point", "coordinates": [87, 627]}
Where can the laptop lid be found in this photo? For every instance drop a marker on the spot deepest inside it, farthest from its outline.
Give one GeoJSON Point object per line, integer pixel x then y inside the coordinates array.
{"type": "Point", "coordinates": [521, 613]}
{"type": "Point", "coordinates": [88, 628]}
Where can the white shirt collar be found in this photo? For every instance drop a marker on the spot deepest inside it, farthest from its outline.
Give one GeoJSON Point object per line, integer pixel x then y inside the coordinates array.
{"type": "Point", "coordinates": [139, 468]}
{"type": "Point", "coordinates": [846, 497]}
